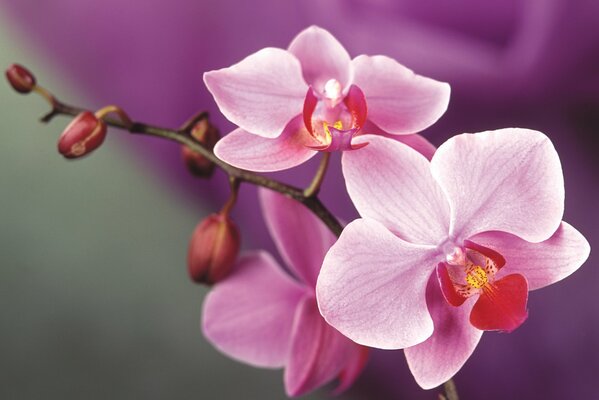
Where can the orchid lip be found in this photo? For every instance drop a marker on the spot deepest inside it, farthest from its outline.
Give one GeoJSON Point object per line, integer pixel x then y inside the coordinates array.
{"type": "Point", "coordinates": [333, 119]}
{"type": "Point", "coordinates": [471, 270]}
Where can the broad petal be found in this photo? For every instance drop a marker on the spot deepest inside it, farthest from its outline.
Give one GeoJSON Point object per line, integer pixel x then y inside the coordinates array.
{"type": "Point", "coordinates": [391, 183]}
{"type": "Point", "coordinates": [249, 315]}
{"type": "Point", "coordinates": [261, 93]}
{"type": "Point", "coordinates": [318, 352]}
{"type": "Point", "coordinates": [441, 356]}
{"type": "Point", "coordinates": [502, 305]}
{"type": "Point", "coordinates": [506, 180]}
{"type": "Point", "coordinates": [372, 287]}
{"type": "Point", "coordinates": [301, 238]}
{"type": "Point", "coordinates": [322, 58]}
{"type": "Point", "coordinates": [254, 153]}
{"type": "Point", "coordinates": [399, 101]}
{"type": "Point", "coordinates": [541, 263]}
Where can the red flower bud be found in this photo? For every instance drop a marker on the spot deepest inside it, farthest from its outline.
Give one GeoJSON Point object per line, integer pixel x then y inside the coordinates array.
{"type": "Point", "coordinates": [20, 78]}
{"type": "Point", "coordinates": [207, 135]}
{"type": "Point", "coordinates": [213, 249]}
{"type": "Point", "coordinates": [82, 136]}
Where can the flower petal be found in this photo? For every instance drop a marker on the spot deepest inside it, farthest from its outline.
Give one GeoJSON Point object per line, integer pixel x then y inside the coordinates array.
{"type": "Point", "coordinates": [415, 141]}
{"type": "Point", "coordinates": [391, 183]}
{"type": "Point", "coordinates": [441, 356]}
{"type": "Point", "coordinates": [249, 315]}
{"type": "Point", "coordinates": [541, 263]}
{"type": "Point", "coordinates": [322, 58]}
{"type": "Point", "coordinates": [301, 238]}
{"type": "Point", "coordinates": [318, 352]}
{"type": "Point", "coordinates": [372, 287]}
{"type": "Point", "coordinates": [502, 304]}
{"type": "Point", "coordinates": [353, 369]}
{"type": "Point", "coordinates": [254, 153]}
{"type": "Point", "coordinates": [507, 180]}
{"type": "Point", "coordinates": [261, 93]}
{"type": "Point", "coordinates": [399, 101]}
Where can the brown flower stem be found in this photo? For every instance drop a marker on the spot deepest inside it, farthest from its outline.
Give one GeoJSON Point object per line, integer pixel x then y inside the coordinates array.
{"type": "Point", "coordinates": [314, 187]}
{"type": "Point", "coordinates": [234, 184]}
{"type": "Point", "coordinates": [182, 136]}
{"type": "Point", "coordinates": [449, 391]}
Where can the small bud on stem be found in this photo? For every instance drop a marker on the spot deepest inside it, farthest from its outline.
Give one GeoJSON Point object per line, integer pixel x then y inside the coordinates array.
{"type": "Point", "coordinates": [83, 135]}
{"type": "Point", "coordinates": [207, 135]}
{"type": "Point", "coordinates": [213, 249]}
{"type": "Point", "coordinates": [20, 78]}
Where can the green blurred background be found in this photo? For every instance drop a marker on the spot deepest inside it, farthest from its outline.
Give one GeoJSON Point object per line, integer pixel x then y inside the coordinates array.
{"type": "Point", "coordinates": [95, 299]}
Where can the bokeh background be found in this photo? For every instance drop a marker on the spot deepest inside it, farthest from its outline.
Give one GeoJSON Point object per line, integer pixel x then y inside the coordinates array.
{"type": "Point", "coordinates": [94, 298]}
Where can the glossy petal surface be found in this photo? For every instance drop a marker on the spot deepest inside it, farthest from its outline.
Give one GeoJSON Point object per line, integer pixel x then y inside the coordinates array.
{"type": "Point", "coordinates": [372, 287]}
{"type": "Point", "coordinates": [261, 93]}
{"type": "Point", "coordinates": [244, 150]}
{"type": "Point", "coordinates": [399, 101]}
{"type": "Point", "coordinates": [391, 183]}
{"type": "Point", "coordinates": [301, 238]}
{"type": "Point", "coordinates": [249, 316]}
{"type": "Point", "coordinates": [507, 180]}
{"type": "Point", "coordinates": [437, 359]}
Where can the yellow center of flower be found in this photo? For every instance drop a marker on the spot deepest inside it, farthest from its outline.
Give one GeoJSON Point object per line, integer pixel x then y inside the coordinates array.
{"type": "Point", "coordinates": [477, 277]}
{"type": "Point", "coordinates": [337, 125]}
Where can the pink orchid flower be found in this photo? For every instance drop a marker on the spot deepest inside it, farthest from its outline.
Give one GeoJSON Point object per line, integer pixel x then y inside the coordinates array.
{"type": "Point", "coordinates": [312, 97]}
{"type": "Point", "coordinates": [265, 317]}
{"type": "Point", "coordinates": [449, 248]}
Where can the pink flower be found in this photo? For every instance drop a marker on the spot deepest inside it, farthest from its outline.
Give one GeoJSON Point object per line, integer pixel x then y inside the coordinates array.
{"type": "Point", "coordinates": [265, 317]}
{"type": "Point", "coordinates": [448, 248]}
{"type": "Point", "coordinates": [291, 103]}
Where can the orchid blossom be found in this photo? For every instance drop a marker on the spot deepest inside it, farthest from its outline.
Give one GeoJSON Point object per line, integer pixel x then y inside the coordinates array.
{"type": "Point", "coordinates": [449, 248]}
{"type": "Point", "coordinates": [267, 317]}
{"type": "Point", "coordinates": [290, 104]}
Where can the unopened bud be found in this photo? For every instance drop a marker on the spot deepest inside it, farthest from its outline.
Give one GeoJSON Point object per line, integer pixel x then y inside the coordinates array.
{"type": "Point", "coordinates": [82, 136]}
{"type": "Point", "coordinates": [20, 78]}
{"type": "Point", "coordinates": [213, 249]}
{"type": "Point", "coordinates": [207, 135]}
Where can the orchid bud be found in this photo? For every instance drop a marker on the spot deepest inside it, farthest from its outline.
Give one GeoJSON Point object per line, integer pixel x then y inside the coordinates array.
{"type": "Point", "coordinates": [213, 249]}
{"type": "Point", "coordinates": [207, 135]}
{"type": "Point", "coordinates": [20, 78]}
{"type": "Point", "coordinates": [82, 136]}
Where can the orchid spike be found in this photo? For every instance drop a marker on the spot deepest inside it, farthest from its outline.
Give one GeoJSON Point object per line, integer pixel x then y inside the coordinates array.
{"type": "Point", "coordinates": [312, 97]}
{"type": "Point", "coordinates": [448, 248]}
{"type": "Point", "coordinates": [266, 317]}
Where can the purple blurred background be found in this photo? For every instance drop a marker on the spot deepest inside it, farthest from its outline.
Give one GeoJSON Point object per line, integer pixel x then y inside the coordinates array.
{"type": "Point", "coordinates": [524, 63]}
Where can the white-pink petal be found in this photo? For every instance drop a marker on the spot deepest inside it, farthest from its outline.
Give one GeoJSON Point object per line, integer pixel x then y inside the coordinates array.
{"type": "Point", "coordinates": [372, 287]}
{"type": "Point", "coordinates": [508, 180]}
{"type": "Point", "coordinates": [437, 359]}
{"type": "Point", "coordinates": [399, 101]}
{"type": "Point", "coordinates": [415, 141]}
{"type": "Point", "coordinates": [249, 315]}
{"type": "Point", "coordinates": [261, 93]}
{"type": "Point", "coordinates": [254, 153]}
{"type": "Point", "coordinates": [301, 238]}
{"type": "Point", "coordinates": [392, 183]}
{"type": "Point", "coordinates": [541, 263]}
{"type": "Point", "coordinates": [322, 57]}
{"type": "Point", "coordinates": [318, 352]}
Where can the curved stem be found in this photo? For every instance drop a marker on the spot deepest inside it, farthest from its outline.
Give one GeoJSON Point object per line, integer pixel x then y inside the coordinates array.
{"type": "Point", "coordinates": [234, 183]}
{"type": "Point", "coordinates": [314, 187]}
{"type": "Point", "coordinates": [450, 391]}
{"type": "Point", "coordinates": [183, 137]}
